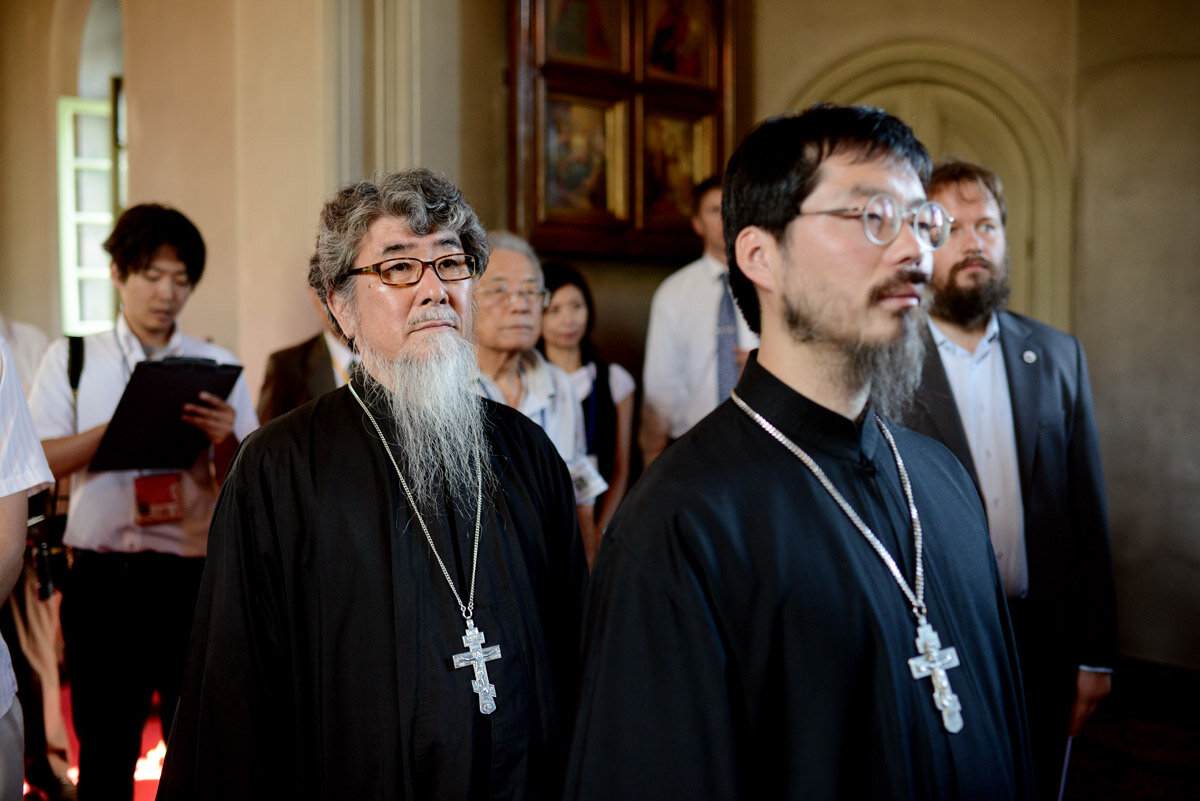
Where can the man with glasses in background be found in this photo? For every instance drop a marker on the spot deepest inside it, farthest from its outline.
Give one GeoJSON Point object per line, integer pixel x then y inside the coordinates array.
{"type": "Point", "coordinates": [1010, 397]}
{"type": "Point", "coordinates": [395, 581]}
{"type": "Point", "coordinates": [511, 298]}
{"type": "Point", "coordinates": [798, 599]}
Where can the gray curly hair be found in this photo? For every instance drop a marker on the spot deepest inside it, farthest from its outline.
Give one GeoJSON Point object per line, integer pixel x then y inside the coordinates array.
{"type": "Point", "coordinates": [426, 200]}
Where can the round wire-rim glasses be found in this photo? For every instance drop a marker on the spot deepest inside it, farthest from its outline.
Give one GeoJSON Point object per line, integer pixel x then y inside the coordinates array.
{"type": "Point", "coordinates": [408, 270]}
{"type": "Point", "coordinates": [881, 220]}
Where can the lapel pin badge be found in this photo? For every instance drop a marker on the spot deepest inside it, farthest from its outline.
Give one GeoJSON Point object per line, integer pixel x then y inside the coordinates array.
{"type": "Point", "coordinates": [1029, 356]}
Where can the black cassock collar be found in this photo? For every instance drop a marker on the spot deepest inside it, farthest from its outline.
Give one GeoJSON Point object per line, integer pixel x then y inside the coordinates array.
{"type": "Point", "coordinates": [805, 422]}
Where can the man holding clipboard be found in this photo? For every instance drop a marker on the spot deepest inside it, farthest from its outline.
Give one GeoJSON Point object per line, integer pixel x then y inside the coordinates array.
{"type": "Point", "coordinates": [138, 529]}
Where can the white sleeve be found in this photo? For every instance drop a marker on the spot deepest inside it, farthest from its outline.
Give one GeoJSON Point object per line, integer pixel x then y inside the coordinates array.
{"type": "Point", "coordinates": [662, 383]}
{"type": "Point", "coordinates": [51, 403]}
{"type": "Point", "coordinates": [23, 466]}
{"type": "Point", "coordinates": [620, 382]}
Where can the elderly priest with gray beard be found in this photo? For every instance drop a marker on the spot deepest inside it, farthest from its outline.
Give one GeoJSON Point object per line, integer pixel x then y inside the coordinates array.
{"type": "Point", "coordinates": [391, 605]}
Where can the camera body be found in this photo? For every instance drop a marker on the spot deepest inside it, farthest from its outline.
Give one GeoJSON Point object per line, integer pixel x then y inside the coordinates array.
{"type": "Point", "coordinates": [44, 541]}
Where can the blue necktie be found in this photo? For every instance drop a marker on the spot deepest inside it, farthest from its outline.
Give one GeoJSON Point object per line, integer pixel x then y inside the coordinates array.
{"type": "Point", "coordinates": [727, 371]}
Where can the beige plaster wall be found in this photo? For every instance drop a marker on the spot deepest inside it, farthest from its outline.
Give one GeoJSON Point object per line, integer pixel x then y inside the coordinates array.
{"type": "Point", "coordinates": [792, 42]}
{"type": "Point", "coordinates": [284, 171]}
{"type": "Point", "coordinates": [179, 93]}
{"type": "Point", "coordinates": [226, 102]}
{"type": "Point", "coordinates": [1137, 282]}
{"type": "Point", "coordinates": [39, 50]}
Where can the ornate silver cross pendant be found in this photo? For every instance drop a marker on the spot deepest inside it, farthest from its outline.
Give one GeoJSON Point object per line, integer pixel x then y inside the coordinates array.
{"type": "Point", "coordinates": [933, 661]}
{"type": "Point", "coordinates": [475, 657]}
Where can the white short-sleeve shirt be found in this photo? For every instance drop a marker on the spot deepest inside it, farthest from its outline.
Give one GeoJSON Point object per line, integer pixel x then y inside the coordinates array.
{"type": "Point", "coordinates": [102, 514]}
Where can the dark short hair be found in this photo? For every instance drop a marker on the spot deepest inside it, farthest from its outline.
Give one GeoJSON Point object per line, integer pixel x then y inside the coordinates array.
{"type": "Point", "coordinates": [559, 274]}
{"type": "Point", "coordinates": [141, 230]}
{"type": "Point", "coordinates": [778, 165]}
{"type": "Point", "coordinates": [703, 188]}
{"type": "Point", "coordinates": [955, 171]}
{"type": "Point", "coordinates": [427, 201]}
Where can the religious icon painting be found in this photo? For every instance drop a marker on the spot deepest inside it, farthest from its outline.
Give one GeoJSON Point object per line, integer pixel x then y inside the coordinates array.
{"type": "Point", "coordinates": [591, 33]}
{"type": "Point", "coordinates": [680, 41]}
{"type": "Point", "coordinates": [583, 164]}
{"type": "Point", "coordinates": [676, 154]}
{"type": "Point", "coordinates": [617, 108]}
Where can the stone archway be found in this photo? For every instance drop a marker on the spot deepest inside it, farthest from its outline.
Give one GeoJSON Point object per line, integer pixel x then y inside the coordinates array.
{"type": "Point", "coordinates": [965, 105]}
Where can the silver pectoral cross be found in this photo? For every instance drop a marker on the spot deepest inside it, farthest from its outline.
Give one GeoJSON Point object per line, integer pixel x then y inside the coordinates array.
{"type": "Point", "coordinates": [475, 656]}
{"type": "Point", "coordinates": [933, 661]}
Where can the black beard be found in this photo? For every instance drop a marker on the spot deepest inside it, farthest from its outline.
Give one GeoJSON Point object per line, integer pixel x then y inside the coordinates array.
{"type": "Point", "coordinates": [970, 307]}
{"type": "Point", "coordinates": [892, 369]}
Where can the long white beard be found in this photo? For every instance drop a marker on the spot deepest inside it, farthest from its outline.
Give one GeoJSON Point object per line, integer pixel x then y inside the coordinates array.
{"type": "Point", "coordinates": [437, 418]}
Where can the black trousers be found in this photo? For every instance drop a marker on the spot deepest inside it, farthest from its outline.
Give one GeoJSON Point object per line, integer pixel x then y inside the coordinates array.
{"type": "Point", "coordinates": [126, 619]}
{"type": "Point", "coordinates": [1048, 675]}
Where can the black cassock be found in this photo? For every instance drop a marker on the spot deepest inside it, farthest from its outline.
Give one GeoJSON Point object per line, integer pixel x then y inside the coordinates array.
{"type": "Point", "coordinates": [743, 640]}
{"type": "Point", "coordinates": [321, 658]}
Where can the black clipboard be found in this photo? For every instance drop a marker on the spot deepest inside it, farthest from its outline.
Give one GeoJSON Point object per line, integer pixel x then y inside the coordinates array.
{"type": "Point", "coordinates": [146, 431]}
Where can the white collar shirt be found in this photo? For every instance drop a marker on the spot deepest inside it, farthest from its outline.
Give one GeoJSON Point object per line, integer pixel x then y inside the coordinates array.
{"type": "Point", "coordinates": [548, 399]}
{"type": "Point", "coordinates": [979, 384]}
{"type": "Point", "coordinates": [342, 359]}
{"type": "Point", "coordinates": [102, 515]}
{"type": "Point", "coordinates": [679, 377]}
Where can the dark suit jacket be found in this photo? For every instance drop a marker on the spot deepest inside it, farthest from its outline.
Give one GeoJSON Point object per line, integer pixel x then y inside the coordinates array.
{"type": "Point", "coordinates": [295, 376]}
{"type": "Point", "coordinates": [1071, 594]}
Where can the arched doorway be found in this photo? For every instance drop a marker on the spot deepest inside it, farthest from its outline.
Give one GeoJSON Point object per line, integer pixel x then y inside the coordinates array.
{"type": "Point", "coordinates": [962, 104]}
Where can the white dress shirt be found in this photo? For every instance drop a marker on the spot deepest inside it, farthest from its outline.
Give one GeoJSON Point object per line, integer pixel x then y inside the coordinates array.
{"type": "Point", "coordinates": [548, 400]}
{"type": "Point", "coordinates": [679, 378]}
{"type": "Point", "coordinates": [979, 384]}
{"type": "Point", "coordinates": [28, 345]}
{"type": "Point", "coordinates": [102, 515]}
{"type": "Point", "coordinates": [342, 359]}
{"type": "Point", "coordinates": [23, 469]}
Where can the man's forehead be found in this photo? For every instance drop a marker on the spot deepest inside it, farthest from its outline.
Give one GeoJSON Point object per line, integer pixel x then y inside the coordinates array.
{"type": "Point", "coordinates": [849, 175]}
{"type": "Point", "coordinates": [509, 265]}
{"type": "Point", "coordinates": [965, 191]}
{"type": "Point", "coordinates": [393, 236]}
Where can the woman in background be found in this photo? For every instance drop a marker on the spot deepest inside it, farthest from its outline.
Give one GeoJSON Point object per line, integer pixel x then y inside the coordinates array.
{"type": "Point", "coordinates": [605, 390]}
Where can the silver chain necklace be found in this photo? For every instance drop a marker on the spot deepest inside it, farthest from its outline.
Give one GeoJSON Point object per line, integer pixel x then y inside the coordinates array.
{"type": "Point", "coordinates": [932, 660]}
{"type": "Point", "coordinates": [476, 654]}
